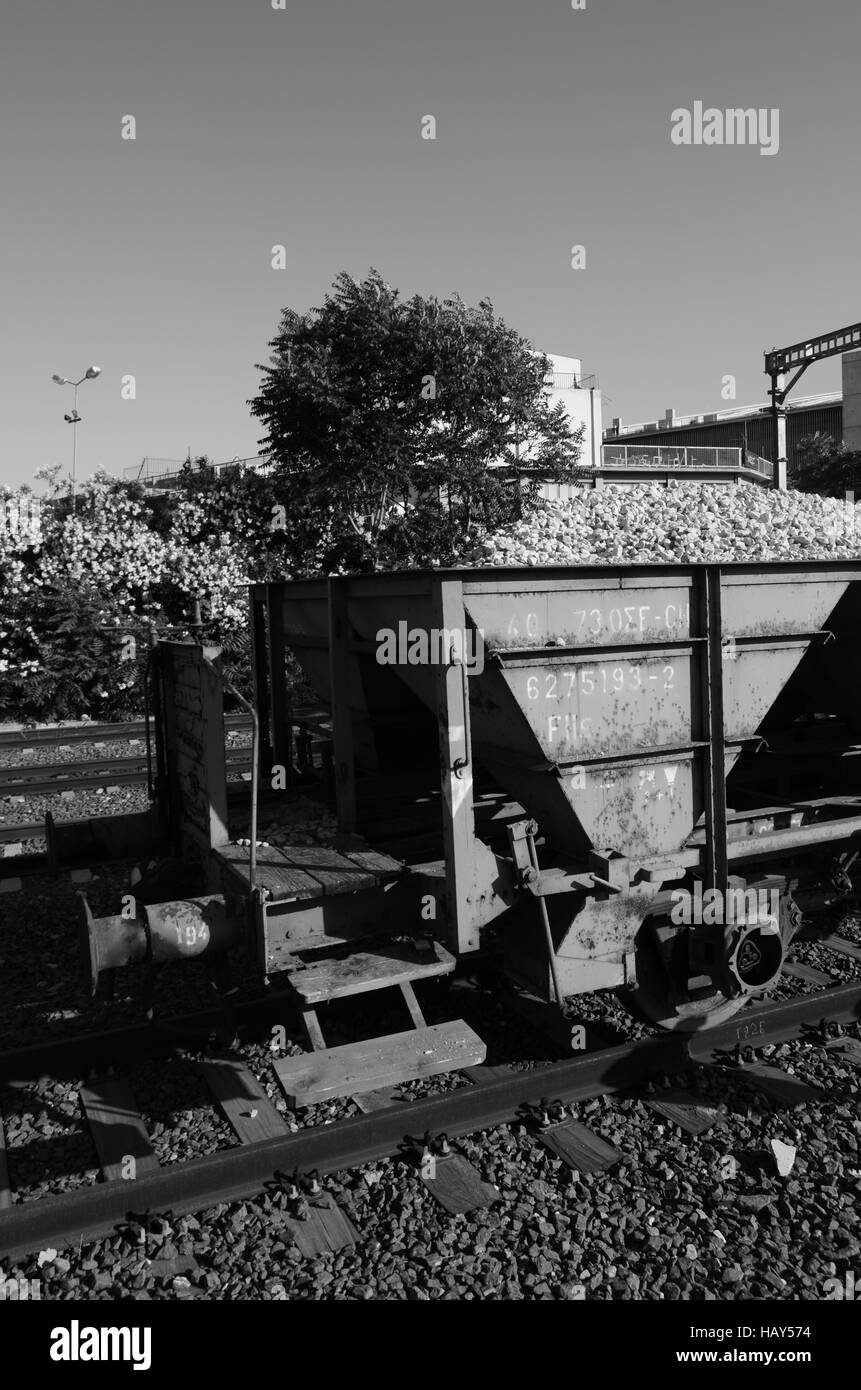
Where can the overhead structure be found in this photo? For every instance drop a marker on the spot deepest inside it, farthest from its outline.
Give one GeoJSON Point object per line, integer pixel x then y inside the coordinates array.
{"type": "Point", "coordinates": [780, 361]}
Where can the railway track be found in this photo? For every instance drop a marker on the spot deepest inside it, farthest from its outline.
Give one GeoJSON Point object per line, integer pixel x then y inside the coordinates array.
{"type": "Point", "coordinates": [50, 779]}
{"type": "Point", "coordinates": [94, 733]}
{"type": "Point", "coordinates": [422, 1131]}
{"type": "Point", "coordinates": [59, 736]}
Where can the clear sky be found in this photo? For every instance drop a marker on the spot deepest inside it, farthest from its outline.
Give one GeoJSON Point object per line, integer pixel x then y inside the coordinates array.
{"type": "Point", "coordinates": [302, 126]}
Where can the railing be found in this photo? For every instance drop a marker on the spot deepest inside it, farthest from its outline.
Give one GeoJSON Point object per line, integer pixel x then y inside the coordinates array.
{"type": "Point", "coordinates": [569, 381]}
{"type": "Point", "coordinates": [654, 457]}
{"type": "Point", "coordinates": [163, 473]}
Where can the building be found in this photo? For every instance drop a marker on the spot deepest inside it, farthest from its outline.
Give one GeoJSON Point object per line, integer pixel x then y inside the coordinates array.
{"type": "Point", "coordinates": [582, 401]}
{"type": "Point", "coordinates": [751, 427]}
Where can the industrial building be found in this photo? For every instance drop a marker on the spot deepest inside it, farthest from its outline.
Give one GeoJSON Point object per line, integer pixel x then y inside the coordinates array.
{"type": "Point", "coordinates": [752, 427]}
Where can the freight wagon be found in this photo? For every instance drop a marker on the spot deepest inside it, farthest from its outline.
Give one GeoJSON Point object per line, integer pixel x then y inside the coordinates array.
{"type": "Point", "coordinates": [577, 777]}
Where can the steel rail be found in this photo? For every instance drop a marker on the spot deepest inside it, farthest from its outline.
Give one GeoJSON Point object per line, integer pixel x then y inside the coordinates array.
{"type": "Point", "coordinates": [93, 733]}
{"type": "Point", "coordinates": [241, 1172]}
{"type": "Point", "coordinates": [119, 733]}
{"type": "Point", "coordinates": [105, 772]}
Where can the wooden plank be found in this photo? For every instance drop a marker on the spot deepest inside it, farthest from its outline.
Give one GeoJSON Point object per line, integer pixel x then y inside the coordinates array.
{"type": "Point", "coordinates": [458, 1186]}
{"type": "Point", "coordinates": [118, 1131]}
{"type": "Point", "coordinates": [242, 1100]}
{"type": "Point", "coordinates": [313, 1031]}
{"type": "Point", "coordinates": [373, 862]}
{"type": "Point", "coordinates": [841, 947]}
{"type": "Point", "coordinates": [797, 970]}
{"type": "Point", "coordinates": [380, 1100]}
{"type": "Point", "coordinates": [275, 872]}
{"type": "Point", "coordinates": [332, 871]}
{"type": "Point", "coordinates": [370, 1065]}
{"type": "Point", "coordinates": [686, 1111]}
{"type": "Point", "coordinates": [578, 1147]}
{"type": "Point", "coordinates": [326, 1228]}
{"type": "Point", "coordinates": [5, 1188]}
{"type": "Point", "coordinates": [368, 970]}
{"type": "Point", "coordinates": [412, 1004]}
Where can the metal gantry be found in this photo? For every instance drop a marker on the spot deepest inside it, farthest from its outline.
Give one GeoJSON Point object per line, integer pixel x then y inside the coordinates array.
{"type": "Point", "coordinates": [780, 361]}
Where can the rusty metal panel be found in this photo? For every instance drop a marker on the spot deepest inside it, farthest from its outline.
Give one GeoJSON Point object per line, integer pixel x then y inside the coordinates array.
{"type": "Point", "coordinates": [779, 601]}
{"type": "Point", "coordinates": [644, 809]}
{"type": "Point", "coordinates": [582, 707]}
{"type": "Point", "coordinates": [581, 612]}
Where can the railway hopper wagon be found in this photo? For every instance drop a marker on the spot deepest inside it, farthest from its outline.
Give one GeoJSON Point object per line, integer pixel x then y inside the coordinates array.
{"type": "Point", "coordinates": [633, 778]}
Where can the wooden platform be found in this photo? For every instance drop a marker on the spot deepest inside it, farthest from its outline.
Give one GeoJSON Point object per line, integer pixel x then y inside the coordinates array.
{"type": "Point", "coordinates": [363, 971]}
{"type": "Point", "coordinates": [308, 871]}
{"type": "Point", "coordinates": [371, 1065]}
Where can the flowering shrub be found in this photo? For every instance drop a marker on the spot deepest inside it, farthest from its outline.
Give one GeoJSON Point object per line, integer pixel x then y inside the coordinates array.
{"type": "Point", "coordinates": [79, 605]}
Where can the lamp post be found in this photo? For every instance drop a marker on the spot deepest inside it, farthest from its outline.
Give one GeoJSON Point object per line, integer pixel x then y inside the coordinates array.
{"type": "Point", "coordinates": [73, 419]}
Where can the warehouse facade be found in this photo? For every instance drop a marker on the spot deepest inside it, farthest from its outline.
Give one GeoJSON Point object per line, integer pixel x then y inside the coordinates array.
{"type": "Point", "coordinates": [750, 428]}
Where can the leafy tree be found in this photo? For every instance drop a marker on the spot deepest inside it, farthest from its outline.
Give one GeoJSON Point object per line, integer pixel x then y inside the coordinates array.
{"type": "Point", "coordinates": [826, 467]}
{"type": "Point", "coordinates": [385, 420]}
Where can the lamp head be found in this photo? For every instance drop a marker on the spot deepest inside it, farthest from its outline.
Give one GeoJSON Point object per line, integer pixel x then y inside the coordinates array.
{"type": "Point", "coordinates": [60, 380]}
{"type": "Point", "coordinates": [92, 372]}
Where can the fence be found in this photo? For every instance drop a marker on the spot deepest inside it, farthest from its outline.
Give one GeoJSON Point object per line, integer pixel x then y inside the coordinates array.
{"type": "Point", "coordinates": [655, 456]}
{"type": "Point", "coordinates": [163, 473]}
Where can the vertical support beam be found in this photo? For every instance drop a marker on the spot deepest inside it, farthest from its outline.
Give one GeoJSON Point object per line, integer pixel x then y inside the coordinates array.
{"type": "Point", "coordinates": [778, 412]}
{"type": "Point", "coordinates": [162, 781]}
{"type": "Point", "coordinates": [712, 730]}
{"type": "Point", "coordinates": [340, 682]}
{"type": "Point", "coordinates": [457, 775]}
{"type": "Point", "coordinates": [194, 748]}
{"type": "Point", "coordinates": [281, 708]}
{"type": "Point", "coordinates": [262, 697]}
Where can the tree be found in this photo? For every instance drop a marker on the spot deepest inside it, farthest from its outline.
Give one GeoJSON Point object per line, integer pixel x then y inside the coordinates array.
{"type": "Point", "coordinates": [386, 421]}
{"type": "Point", "coordinates": [826, 467]}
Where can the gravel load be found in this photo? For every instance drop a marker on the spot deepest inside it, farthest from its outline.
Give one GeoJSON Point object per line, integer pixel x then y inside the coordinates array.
{"type": "Point", "coordinates": [648, 523]}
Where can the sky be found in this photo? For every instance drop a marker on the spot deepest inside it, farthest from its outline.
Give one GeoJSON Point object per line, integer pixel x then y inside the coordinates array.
{"type": "Point", "coordinates": [302, 127]}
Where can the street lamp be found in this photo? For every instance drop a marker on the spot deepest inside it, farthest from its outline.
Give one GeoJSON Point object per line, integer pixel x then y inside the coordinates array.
{"type": "Point", "coordinates": [73, 418]}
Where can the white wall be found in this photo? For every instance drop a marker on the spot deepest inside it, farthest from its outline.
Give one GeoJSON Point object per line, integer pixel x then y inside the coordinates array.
{"type": "Point", "coordinates": [583, 407]}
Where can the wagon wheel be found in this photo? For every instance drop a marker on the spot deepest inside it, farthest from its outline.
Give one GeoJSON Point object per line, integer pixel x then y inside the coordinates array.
{"type": "Point", "coordinates": [662, 997]}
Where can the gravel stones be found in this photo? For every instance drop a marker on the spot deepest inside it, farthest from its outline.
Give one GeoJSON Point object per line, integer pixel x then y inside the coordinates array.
{"type": "Point", "coordinates": [682, 524]}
